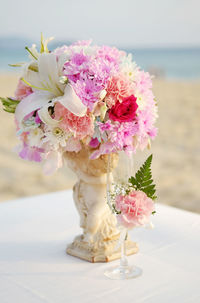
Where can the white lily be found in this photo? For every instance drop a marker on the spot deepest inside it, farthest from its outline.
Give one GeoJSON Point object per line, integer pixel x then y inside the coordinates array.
{"type": "Point", "coordinates": [46, 118]}
{"type": "Point", "coordinates": [31, 103]}
{"type": "Point", "coordinates": [34, 52]}
{"type": "Point", "coordinates": [54, 160]}
{"type": "Point", "coordinates": [43, 100]}
{"type": "Point", "coordinates": [47, 77]}
{"type": "Point", "coordinates": [47, 90]}
{"type": "Point", "coordinates": [72, 102]}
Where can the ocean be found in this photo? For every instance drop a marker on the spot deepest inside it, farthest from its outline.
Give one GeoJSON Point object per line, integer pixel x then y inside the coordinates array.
{"type": "Point", "coordinates": [169, 63]}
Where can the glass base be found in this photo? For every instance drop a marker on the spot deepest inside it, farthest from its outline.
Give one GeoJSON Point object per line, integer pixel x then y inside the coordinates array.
{"type": "Point", "coordinates": [123, 272]}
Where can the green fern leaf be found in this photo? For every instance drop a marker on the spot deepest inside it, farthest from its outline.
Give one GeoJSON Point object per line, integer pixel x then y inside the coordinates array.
{"type": "Point", "coordinates": [143, 179]}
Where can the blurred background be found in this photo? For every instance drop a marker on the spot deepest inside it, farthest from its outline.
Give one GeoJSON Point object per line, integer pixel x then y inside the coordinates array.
{"type": "Point", "coordinates": [163, 37]}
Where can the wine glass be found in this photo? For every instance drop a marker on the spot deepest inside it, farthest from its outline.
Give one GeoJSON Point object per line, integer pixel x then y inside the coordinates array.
{"type": "Point", "coordinates": [117, 184]}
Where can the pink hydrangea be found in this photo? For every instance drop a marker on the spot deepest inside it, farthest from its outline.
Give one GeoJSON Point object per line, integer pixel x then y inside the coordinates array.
{"type": "Point", "coordinates": [136, 209]}
{"type": "Point", "coordinates": [143, 81]}
{"type": "Point", "coordinates": [111, 54]}
{"type": "Point", "coordinates": [79, 126]}
{"type": "Point", "coordinates": [22, 90]}
{"type": "Point", "coordinates": [78, 63]}
{"type": "Point", "coordinates": [89, 74]}
{"type": "Point", "coordinates": [119, 137]}
{"type": "Point", "coordinates": [120, 134]}
{"type": "Point", "coordinates": [118, 88]}
{"type": "Point", "coordinates": [60, 50]}
{"type": "Point", "coordinates": [82, 43]}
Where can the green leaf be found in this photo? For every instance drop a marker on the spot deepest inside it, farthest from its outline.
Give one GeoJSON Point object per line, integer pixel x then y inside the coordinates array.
{"type": "Point", "coordinates": [9, 104]}
{"type": "Point", "coordinates": [118, 212]}
{"type": "Point", "coordinates": [143, 179]}
{"type": "Point", "coordinates": [16, 64]}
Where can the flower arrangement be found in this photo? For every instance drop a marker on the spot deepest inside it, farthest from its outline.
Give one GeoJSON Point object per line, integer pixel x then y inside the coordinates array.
{"type": "Point", "coordinates": [81, 95]}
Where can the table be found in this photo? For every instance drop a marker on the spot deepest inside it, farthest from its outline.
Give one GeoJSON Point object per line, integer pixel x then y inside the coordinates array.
{"type": "Point", "coordinates": [34, 267]}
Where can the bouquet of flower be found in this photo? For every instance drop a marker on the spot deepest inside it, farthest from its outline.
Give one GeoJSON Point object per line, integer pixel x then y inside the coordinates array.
{"type": "Point", "coordinates": [81, 95]}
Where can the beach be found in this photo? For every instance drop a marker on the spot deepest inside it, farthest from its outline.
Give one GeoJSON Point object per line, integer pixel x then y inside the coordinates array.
{"type": "Point", "coordinates": [176, 149]}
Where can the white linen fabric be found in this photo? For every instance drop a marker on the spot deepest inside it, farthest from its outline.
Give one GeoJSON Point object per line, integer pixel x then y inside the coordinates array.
{"type": "Point", "coordinates": [34, 267]}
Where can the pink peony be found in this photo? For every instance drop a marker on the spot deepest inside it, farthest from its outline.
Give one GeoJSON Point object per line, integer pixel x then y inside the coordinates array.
{"type": "Point", "coordinates": [118, 88]}
{"type": "Point", "coordinates": [124, 111]}
{"type": "Point", "coordinates": [79, 126]}
{"type": "Point", "coordinates": [22, 90]}
{"type": "Point", "coordinates": [136, 209]}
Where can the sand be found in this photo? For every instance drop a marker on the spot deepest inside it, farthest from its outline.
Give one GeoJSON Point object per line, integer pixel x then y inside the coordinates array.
{"type": "Point", "coordinates": [176, 150]}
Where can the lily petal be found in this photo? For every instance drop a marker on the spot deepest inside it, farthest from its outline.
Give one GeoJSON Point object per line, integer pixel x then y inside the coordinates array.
{"type": "Point", "coordinates": [54, 160]}
{"type": "Point", "coordinates": [47, 77]}
{"type": "Point", "coordinates": [31, 103]}
{"type": "Point", "coordinates": [46, 118]}
{"type": "Point", "coordinates": [72, 102]}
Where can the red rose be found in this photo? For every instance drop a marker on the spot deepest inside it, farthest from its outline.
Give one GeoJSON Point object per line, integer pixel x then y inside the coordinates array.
{"type": "Point", "coordinates": [124, 111]}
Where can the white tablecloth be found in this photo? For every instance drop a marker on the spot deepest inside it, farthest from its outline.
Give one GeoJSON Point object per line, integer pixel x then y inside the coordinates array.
{"type": "Point", "coordinates": [34, 267]}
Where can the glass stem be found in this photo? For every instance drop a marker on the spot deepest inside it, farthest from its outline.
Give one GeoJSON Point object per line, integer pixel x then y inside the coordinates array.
{"type": "Point", "coordinates": [123, 259]}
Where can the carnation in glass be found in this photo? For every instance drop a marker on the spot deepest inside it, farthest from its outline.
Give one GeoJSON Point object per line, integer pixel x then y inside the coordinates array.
{"type": "Point", "coordinates": [131, 206]}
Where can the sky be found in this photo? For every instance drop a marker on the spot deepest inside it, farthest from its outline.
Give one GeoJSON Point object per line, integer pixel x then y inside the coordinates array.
{"type": "Point", "coordinates": [126, 23]}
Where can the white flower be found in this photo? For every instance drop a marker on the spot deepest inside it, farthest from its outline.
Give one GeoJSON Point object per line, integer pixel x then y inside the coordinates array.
{"type": "Point", "coordinates": [141, 102]}
{"type": "Point", "coordinates": [35, 137]}
{"type": "Point", "coordinates": [47, 77]}
{"type": "Point", "coordinates": [56, 137]}
{"type": "Point", "coordinates": [34, 51]}
{"type": "Point", "coordinates": [128, 67]}
{"type": "Point", "coordinates": [54, 160]}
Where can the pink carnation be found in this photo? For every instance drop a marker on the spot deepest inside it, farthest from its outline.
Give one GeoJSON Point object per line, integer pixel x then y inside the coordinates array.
{"type": "Point", "coordinates": [118, 88]}
{"type": "Point", "coordinates": [136, 209]}
{"type": "Point", "coordinates": [79, 126]}
{"type": "Point", "coordinates": [22, 90]}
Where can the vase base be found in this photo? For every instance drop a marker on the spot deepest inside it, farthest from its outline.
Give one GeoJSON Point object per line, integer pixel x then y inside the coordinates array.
{"type": "Point", "coordinates": [85, 251]}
